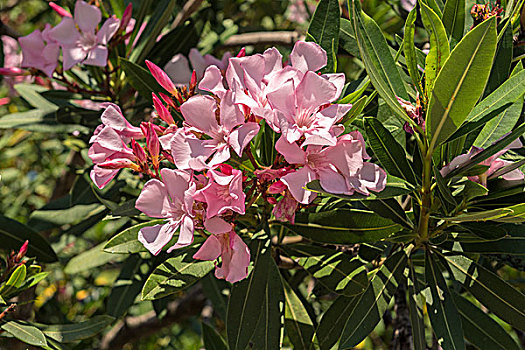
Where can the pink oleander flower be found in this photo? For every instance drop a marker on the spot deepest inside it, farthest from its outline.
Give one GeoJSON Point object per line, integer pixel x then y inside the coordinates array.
{"type": "Point", "coordinates": [493, 163]}
{"type": "Point", "coordinates": [234, 253]}
{"type": "Point", "coordinates": [414, 112]}
{"type": "Point", "coordinates": [224, 125]}
{"type": "Point", "coordinates": [84, 45]}
{"type": "Point", "coordinates": [285, 209]}
{"type": "Point", "coordinates": [40, 50]}
{"type": "Point", "coordinates": [109, 150]}
{"type": "Point", "coordinates": [179, 71]}
{"type": "Point", "coordinates": [223, 192]}
{"type": "Point", "coordinates": [341, 168]}
{"type": "Point", "coordinates": [171, 199]}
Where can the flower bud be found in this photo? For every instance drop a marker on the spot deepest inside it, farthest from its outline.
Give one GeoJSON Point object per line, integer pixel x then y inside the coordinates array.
{"type": "Point", "coordinates": [22, 252]}
{"type": "Point", "coordinates": [126, 16]}
{"type": "Point", "coordinates": [120, 163]}
{"type": "Point", "coordinates": [13, 71]}
{"type": "Point", "coordinates": [60, 10]}
{"type": "Point", "coordinates": [162, 111]}
{"type": "Point", "coordinates": [242, 53]}
{"type": "Point", "coordinates": [277, 187]}
{"type": "Point", "coordinates": [167, 100]}
{"type": "Point", "coordinates": [153, 143]}
{"type": "Point", "coordinates": [138, 151]}
{"type": "Point", "coordinates": [161, 77]}
{"type": "Point", "coordinates": [226, 169]}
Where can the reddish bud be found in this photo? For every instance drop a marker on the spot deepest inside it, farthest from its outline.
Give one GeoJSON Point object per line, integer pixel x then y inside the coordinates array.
{"type": "Point", "coordinates": [22, 252]}
{"type": "Point", "coordinates": [226, 169]}
{"type": "Point", "coordinates": [13, 71]}
{"type": "Point", "coordinates": [153, 143]}
{"type": "Point", "coordinates": [193, 82]}
{"type": "Point", "coordinates": [139, 152]}
{"type": "Point", "coordinates": [242, 53]}
{"type": "Point", "coordinates": [60, 10]}
{"type": "Point", "coordinates": [162, 111]}
{"type": "Point", "coordinates": [161, 77]}
{"type": "Point", "coordinates": [167, 99]}
{"type": "Point", "coordinates": [277, 187]}
{"type": "Point", "coordinates": [271, 200]}
{"type": "Point", "coordinates": [126, 16]}
{"type": "Point", "coordinates": [119, 164]}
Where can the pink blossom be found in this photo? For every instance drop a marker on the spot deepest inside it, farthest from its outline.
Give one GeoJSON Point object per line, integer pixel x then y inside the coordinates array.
{"type": "Point", "coordinates": [179, 71]}
{"type": "Point", "coordinates": [235, 255]}
{"type": "Point", "coordinates": [171, 199]}
{"type": "Point", "coordinates": [341, 168]}
{"type": "Point", "coordinates": [40, 51]}
{"type": "Point", "coordinates": [230, 131]}
{"type": "Point", "coordinates": [83, 45]}
{"type": "Point", "coordinates": [285, 209]}
{"type": "Point", "coordinates": [493, 163]}
{"type": "Point", "coordinates": [223, 193]}
{"type": "Point", "coordinates": [162, 78]}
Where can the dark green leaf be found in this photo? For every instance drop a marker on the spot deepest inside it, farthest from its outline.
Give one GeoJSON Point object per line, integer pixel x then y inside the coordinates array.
{"type": "Point", "coordinates": [409, 49]}
{"type": "Point", "coordinates": [244, 305]}
{"type": "Point", "coordinates": [502, 61]}
{"type": "Point", "coordinates": [211, 339]}
{"type": "Point", "coordinates": [347, 37]}
{"type": "Point", "coordinates": [335, 270]}
{"type": "Point", "coordinates": [215, 289]}
{"type": "Point", "coordinates": [140, 79]}
{"type": "Point", "coordinates": [372, 304]}
{"type": "Point", "coordinates": [179, 40]}
{"type": "Point", "coordinates": [343, 226]}
{"type": "Point", "coordinates": [297, 321]}
{"type": "Point", "coordinates": [416, 314]}
{"type": "Point", "coordinates": [126, 242]}
{"type": "Point", "coordinates": [126, 288]}
{"type": "Point", "coordinates": [390, 153]}
{"type": "Point", "coordinates": [14, 234]}
{"type": "Point", "coordinates": [493, 292]}
{"type": "Point", "coordinates": [26, 333]}
{"type": "Point", "coordinates": [442, 311]}
{"type": "Point", "coordinates": [68, 333]}
{"type": "Point", "coordinates": [390, 209]}
{"type": "Point", "coordinates": [460, 82]}
{"type": "Point", "coordinates": [480, 329]}
{"type": "Point", "coordinates": [485, 230]}
{"type": "Point", "coordinates": [333, 321]}
{"type": "Point", "coordinates": [175, 274]}
{"type": "Point", "coordinates": [324, 29]}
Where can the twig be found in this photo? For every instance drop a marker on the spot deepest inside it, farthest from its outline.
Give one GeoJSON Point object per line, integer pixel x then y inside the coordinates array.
{"type": "Point", "coordinates": [287, 38]}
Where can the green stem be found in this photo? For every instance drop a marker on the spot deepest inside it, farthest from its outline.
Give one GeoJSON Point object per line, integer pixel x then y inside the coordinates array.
{"type": "Point", "coordinates": [426, 195]}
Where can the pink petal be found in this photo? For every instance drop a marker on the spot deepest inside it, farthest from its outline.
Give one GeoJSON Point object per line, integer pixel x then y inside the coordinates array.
{"type": "Point", "coordinates": [153, 200]}
{"type": "Point", "coordinates": [346, 156]}
{"type": "Point", "coordinates": [189, 152]}
{"type": "Point", "coordinates": [314, 91]}
{"type": "Point", "coordinates": [217, 225]}
{"type": "Point", "coordinates": [338, 79]}
{"type": "Point", "coordinates": [308, 56]}
{"type": "Point", "coordinates": [97, 56]}
{"type": "Point", "coordinates": [332, 181]}
{"type": "Point", "coordinates": [291, 151]}
{"type": "Point", "coordinates": [176, 183]}
{"type": "Point", "coordinates": [283, 99]}
{"type": "Point", "coordinates": [210, 249]}
{"type": "Point", "coordinates": [87, 16]}
{"type": "Point", "coordinates": [154, 238]}
{"type": "Point", "coordinates": [242, 136]}
{"type": "Point", "coordinates": [185, 234]}
{"type": "Point", "coordinates": [372, 177]}
{"type": "Point", "coordinates": [199, 112]}
{"type": "Point", "coordinates": [273, 61]}
{"type": "Point", "coordinates": [197, 62]}
{"type": "Point", "coordinates": [101, 177]}
{"type": "Point", "coordinates": [65, 33]}
{"type": "Point", "coordinates": [212, 81]}
{"type": "Point", "coordinates": [108, 29]}
{"type": "Point", "coordinates": [178, 70]}
{"type": "Point", "coordinates": [231, 115]}
{"type": "Point", "coordinates": [240, 260]}
{"type": "Point", "coordinates": [296, 182]}
{"type": "Point", "coordinates": [72, 56]}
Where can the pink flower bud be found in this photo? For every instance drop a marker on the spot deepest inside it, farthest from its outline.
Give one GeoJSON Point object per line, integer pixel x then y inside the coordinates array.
{"type": "Point", "coordinates": [13, 71]}
{"type": "Point", "coordinates": [126, 16]}
{"type": "Point", "coordinates": [271, 200]}
{"type": "Point", "coordinates": [162, 111]}
{"type": "Point", "coordinates": [119, 163]}
{"type": "Point", "coordinates": [161, 77]}
{"type": "Point", "coordinates": [22, 252]}
{"type": "Point", "coordinates": [242, 53]}
{"type": "Point", "coordinates": [152, 140]}
{"type": "Point", "coordinates": [167, 99]}
{"type": "Point", "coordinates": [60, 10]}
{"type": "Point", "coordinates": [138, 151]}
{"type": "Point", "coordinates": [226, 169]}
{"type": "Point", "coordinates": [4, 101]}
{"type": "Point", "coordinates": [277, 187]}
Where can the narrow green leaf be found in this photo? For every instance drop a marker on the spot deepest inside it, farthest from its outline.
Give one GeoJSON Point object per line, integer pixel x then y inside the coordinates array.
{"type": "Point", "coordinates": [324, 29]}
{"type": "Point", "coordinates": [389, 152]}
{"type": "Point", "coordinates": [460, 82]}
{"type": "Point", "coordinates": [343, 226]}
{"type": "Point", "coordinates": [211, 339]}
{"type": "Point", "coordinates": [454, 18]}
{"type": "Point", "coordinates": [390, 209]}
{"type": "Point", "coordinates": [31, 93]}
{"type": "Point", "coordinates": [480, 329]}
{"type": "Point", "coordinates": [480, 215]}
{"type": "Point", "coordinates": [378, 61]}
{"type": "Point", "coordinates": [409, 49]}
{"type": "Point", "coordinates": [215, 290]}
{"type": "Point", "coordinates": [39, 120]}
{"type": "Point", "coordinates": [439, 46]}
{"type": "Point", "coordinates": [140, 79]}
{"type": "Point", "coordinates": [373, 303]}
{"type": "Point", "coordinates": [175, 274]}
{"type": "Point", "coordinates": [26, 333]}
{"type": "Point", "coordinates": [244, 305]}
{"type": "Point", "coordinates": [416, 314]}
{"type": "Point", "coordinates": [347, 37]}
{"type": "Point", "coordinates": [497, 295]}
{"type": "Point", "coordinates": [297, 321]}
{"type": "Point", "coordinates": [502, 61]}
{"type": "Point", "coordinates": [91, 258]}
{"type": "Point", "coordinates": [333, 321]}
{"type": "Point", "coordinates": [269, 332]}
{"type": "Point", "coordinates": [68, 333]}
{"type": "Point", "coordinates": [335, 270]}
{"type": "Point", "coordinates": [16, 279]}
{"type": "Point", "coordinates": [126, 288]}
{"type": "Point", "coordinates": [442, 311]}
{"type": "Point", "coordinates": [13, 235]}
{"type": "Point", "coordinates": [126, 242]}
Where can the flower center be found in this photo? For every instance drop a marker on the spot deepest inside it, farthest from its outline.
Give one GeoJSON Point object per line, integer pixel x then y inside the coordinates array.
{"type": "Point", "coordinates": [88, 41]}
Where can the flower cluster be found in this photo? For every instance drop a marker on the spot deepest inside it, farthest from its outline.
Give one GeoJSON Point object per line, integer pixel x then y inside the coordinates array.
{"type": "Point", "coordinates": [78, 36]}
{"type": "Point", "coordinates": [204, 173]}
